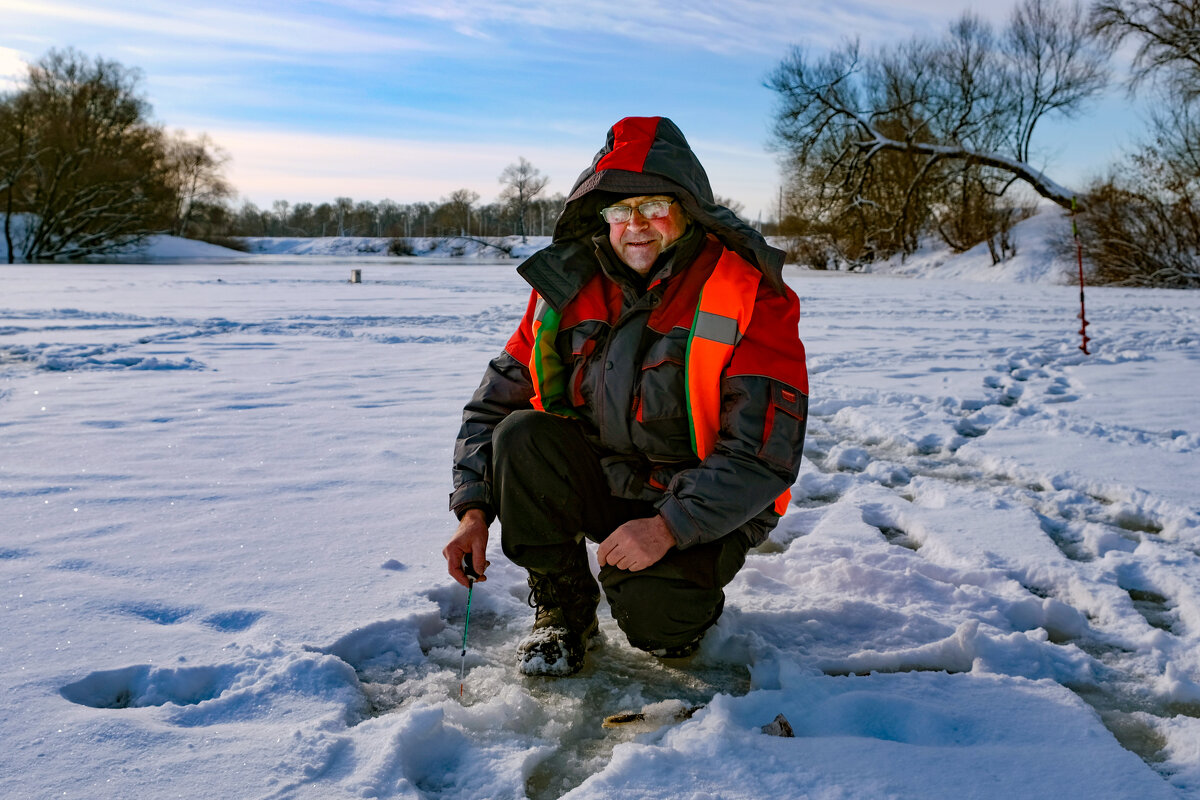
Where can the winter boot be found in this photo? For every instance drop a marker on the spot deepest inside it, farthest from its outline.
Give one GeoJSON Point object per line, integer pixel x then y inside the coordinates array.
{"type": "Point", "coordinates": [564, 624]}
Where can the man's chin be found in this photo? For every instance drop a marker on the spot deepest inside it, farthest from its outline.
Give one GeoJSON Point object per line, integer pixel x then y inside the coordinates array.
{"type": "Point", "coordinates": [639, 259]}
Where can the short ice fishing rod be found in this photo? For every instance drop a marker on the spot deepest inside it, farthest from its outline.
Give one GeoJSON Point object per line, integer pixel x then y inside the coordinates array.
{"type": "Point", "coordinates": [469, 569]}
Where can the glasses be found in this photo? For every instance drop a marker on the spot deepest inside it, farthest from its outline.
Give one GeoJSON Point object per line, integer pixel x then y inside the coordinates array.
{"type": "Point", "coordinates": [651, 209]}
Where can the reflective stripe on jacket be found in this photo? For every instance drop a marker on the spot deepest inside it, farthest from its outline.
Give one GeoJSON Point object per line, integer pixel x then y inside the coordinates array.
{"type": "Point", "coordinates": [722, 317]}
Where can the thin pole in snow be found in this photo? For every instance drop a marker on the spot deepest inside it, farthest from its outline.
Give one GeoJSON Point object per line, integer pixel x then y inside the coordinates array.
{"type": "Point", "coordinates": [1083, 323]}
{"type": "Point", "coordinates": [469, 569]}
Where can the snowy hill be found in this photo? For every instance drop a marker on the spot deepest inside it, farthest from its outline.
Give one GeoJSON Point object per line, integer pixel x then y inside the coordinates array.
{"type": "Point", "coordinates": [158, 248]}
{"type": "Point", "coordinates": [164, 248]}
{"type": "Point", "coordinates": [1036, 260]}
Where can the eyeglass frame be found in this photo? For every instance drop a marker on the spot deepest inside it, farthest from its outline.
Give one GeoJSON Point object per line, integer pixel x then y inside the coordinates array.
{"type": "Point", "coordinates": [638, 208]}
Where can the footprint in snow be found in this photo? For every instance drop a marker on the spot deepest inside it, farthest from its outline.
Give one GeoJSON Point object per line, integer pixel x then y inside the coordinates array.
{"type": "Point", "coordinates": [143, 685]}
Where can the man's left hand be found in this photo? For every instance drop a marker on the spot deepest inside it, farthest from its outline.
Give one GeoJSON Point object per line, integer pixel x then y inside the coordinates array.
{"type": "Point", "coordinates": [637, 544]}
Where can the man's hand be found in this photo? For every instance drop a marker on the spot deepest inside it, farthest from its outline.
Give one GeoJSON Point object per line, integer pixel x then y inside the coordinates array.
{"type": "Point", "coordinates": [637, 544]}
{"type": "Point", "coordinates": [471, 537]}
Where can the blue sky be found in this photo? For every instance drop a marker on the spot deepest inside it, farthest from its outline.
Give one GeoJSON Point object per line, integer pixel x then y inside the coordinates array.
{"type": "Point", "coordinates": [411, 100]}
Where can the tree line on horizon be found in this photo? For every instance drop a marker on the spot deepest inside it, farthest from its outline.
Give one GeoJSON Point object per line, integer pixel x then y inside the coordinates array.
{"type": "Point", "coordinates": [881, 148]}
{"type": "Point", "coordinates": [458, 214]}
{"type": "Point", "coordinates": [522, 209]}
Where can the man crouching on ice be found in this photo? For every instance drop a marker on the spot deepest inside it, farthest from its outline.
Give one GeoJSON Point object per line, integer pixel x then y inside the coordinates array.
{"type": "Point", "coordinates": [653, 399]}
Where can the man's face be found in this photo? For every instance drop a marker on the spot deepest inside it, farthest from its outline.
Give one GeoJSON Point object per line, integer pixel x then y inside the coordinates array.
{"type": "Point", "coordinates": [640, 241]}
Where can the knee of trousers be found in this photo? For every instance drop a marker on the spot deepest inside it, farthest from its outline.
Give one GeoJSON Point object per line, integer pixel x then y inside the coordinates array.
{"type": "Point", "coordinates": [659, 612]}
{"type": "Point", "coordinates": [526, 432]}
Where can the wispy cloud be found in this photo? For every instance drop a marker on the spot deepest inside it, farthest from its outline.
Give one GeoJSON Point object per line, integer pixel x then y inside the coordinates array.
{"type": "Point", "coordinates": [284, 31]}
{"type": "Point", "coordinates": [719, 26]}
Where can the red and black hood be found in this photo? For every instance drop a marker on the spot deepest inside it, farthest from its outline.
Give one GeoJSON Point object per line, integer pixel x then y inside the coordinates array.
{"type": "Point", "coordinates": [641, 156]}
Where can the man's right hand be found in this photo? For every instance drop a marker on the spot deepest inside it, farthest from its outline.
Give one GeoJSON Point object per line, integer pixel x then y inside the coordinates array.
{"type": "Point", "coordinates": [471, 537]}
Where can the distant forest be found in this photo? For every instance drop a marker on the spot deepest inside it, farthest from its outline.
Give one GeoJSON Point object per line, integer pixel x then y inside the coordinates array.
{"type": "Point", "coordinates": [460, 214]}
{"type": "Point", "coordinates": [881, 149]}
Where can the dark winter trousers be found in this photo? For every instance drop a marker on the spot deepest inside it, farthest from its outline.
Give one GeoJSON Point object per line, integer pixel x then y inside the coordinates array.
{"type": "Point", "coordinates": [550, 492]}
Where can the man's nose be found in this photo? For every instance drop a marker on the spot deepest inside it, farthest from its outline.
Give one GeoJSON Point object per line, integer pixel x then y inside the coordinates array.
{"type": "Point", "coordinates": [637, 221]}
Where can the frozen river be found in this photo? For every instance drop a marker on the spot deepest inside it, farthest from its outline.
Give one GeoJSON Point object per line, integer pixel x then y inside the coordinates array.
{"type": "Point", "coordinates": [223, 499]}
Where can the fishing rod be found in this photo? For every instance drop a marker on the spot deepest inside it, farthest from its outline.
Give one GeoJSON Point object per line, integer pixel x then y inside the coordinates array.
{"type": "Point", "coordinates": [471, 574]}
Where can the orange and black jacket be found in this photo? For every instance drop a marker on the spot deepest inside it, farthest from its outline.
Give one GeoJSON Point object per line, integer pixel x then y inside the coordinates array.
{"type": "Point", "coordinates": [623, 349]}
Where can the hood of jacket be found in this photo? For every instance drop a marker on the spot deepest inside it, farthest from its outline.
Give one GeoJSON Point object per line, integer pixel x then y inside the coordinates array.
{"type": "Point", "coordinates": [641, 156]}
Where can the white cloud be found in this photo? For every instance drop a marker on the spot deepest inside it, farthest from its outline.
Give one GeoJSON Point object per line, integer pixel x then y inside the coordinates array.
{"type": "Point", "coordinates": [13, 68]}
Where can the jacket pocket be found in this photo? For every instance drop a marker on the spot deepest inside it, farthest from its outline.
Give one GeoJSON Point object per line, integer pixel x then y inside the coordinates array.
{"type": "Point", "coordinates": [659, 393]}
{"type": "Point", "coordinates": [658, 426]}
{"type": "Point", "coordinates": [783, 427]}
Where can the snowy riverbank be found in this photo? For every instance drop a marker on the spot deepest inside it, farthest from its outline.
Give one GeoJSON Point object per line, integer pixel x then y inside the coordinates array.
{"type": "Point", "coordinates": [1037, 258]}
{"type": "Point", "coordinates": [420, 246]}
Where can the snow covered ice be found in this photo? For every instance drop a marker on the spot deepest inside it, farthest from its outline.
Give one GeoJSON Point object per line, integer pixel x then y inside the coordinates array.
{"type": "Point", "coordinates": [223, 500]}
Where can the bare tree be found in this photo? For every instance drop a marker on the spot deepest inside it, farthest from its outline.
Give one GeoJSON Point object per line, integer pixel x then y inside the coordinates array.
{"type": "Point", "coordinates": [94, 175]}
{"type": "Point", "coordinates": [458, 208]}
{"type": "Point", "coordinates": [1167, 58]}
{"type": "Point", "coordinates": [280, 214]}
{"type": "Point", "coordinates": [1143, 223]}
{"type": "Point", "coordinates": [1168, 36]}
{"type": "Point", "coordinates": [885, 134]}
{"type": "Point", "coordinates": [18, 150]}
{"type": "Point", "coordinates": [195, 168]}
{"type": "Point", "coordinates": [733, 205]}
{"type": "Point", "coordinates": [388, 215]}
{"type": "Point", "coordinates": [522, 185]}
{"type": "Point", "coordinates": [1053, 67]}
{"type": "Point", "coordinates": [342, 206]}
